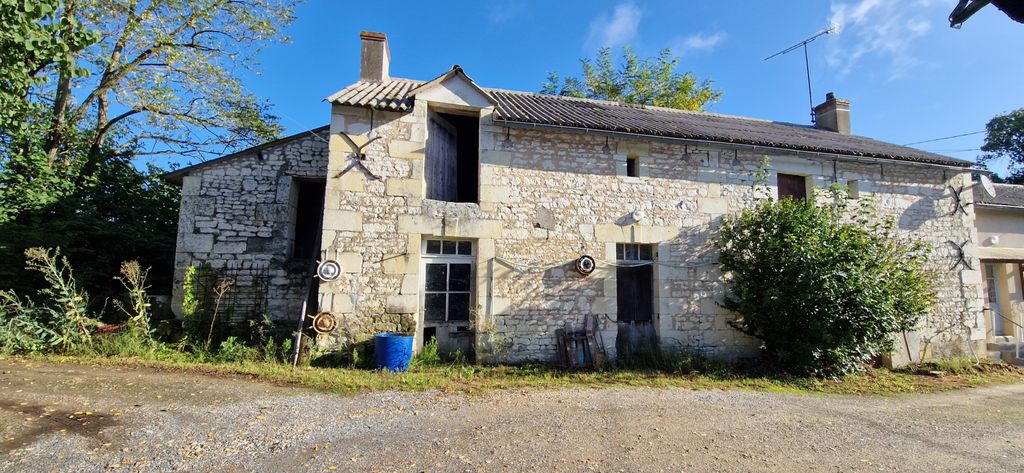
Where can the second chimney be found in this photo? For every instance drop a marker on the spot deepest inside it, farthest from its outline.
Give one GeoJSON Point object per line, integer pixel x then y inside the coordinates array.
{"type": "Point", "coordinates": [833, 114]}
{"type": "Point", "coordinates": [376, 58]}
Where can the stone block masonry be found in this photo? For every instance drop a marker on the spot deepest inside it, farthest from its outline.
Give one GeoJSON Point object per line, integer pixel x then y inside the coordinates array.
{"type": "Point", "coordinates": [525, 285]}
{"type": "Point", "coordinates": [243, 210]}
{"type": "Point", "coordinates": [547, 199]}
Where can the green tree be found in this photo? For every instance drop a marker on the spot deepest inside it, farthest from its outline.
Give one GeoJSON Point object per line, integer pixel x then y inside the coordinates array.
{"type": "Point", "coordinates": [1005, 139]}
{"type": "Point", "coordinates": [126, 214]}
{"type": "Point", "coordinates": [37, 42]}
{"type": "Point", "coordinates": [127, 76]}
{"type": "Point", "coordinates": [824, 287]}
{"type": "Point", "coordinates": [642, 81]}
{"type": "Point", "coordinates": [92, 86]}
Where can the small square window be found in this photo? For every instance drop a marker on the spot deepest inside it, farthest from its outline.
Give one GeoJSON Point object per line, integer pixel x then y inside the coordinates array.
{"type": "Point", "coordinates": [448, 247]}
{"type": "Point", "coordinates": [433, 247]}
{"type": "Point", "coordinates": [465, 248]}
{"type": "Point", "coordinates": [633, 166]}
{"type": "Point", "coordinates": [792, 186]}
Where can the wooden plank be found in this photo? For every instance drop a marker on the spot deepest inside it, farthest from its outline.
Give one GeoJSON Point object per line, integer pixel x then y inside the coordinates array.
{"type": "Point", "coordinates": [560, 348]}
{"type": "Point", "coordinates": [596, 349]}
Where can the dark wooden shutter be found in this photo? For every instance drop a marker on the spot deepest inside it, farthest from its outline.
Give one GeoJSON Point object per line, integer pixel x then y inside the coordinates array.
{"type": "Point", "coordinates": [441, 162]}
{"type": "Point", "coordinates": [792, 186]}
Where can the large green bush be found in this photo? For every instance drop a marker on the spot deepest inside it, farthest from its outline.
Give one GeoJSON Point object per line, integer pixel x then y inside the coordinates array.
{"type": "Point", "coordinates": [824, 287]}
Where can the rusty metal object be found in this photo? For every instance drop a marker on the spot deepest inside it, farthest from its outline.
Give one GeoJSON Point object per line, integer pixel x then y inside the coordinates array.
{"type": "Point", "coordinates": [324, 322]}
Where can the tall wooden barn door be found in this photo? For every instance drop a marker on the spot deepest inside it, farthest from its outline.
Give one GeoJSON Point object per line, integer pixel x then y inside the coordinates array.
{"type": "Point", "coordinates": [635, 294]}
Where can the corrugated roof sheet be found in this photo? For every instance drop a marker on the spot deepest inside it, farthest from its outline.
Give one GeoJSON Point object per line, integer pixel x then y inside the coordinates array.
{"type": "Point", "coordinates": [540, 109]}
{"type": "Point", "coordinates": [1007, 195]}
{"type": "Point", "coordinates": [391, 95]}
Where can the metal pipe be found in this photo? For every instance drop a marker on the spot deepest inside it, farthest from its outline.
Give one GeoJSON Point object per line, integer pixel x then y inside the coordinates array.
{"type": "Point", "coordinates": [298, 336]}
{"type": "Point", "coordinates": [672, 139]}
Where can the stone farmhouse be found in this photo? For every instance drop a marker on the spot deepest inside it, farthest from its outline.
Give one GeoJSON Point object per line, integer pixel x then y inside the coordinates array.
{"type": "Point", "coordinates": [468, 210]}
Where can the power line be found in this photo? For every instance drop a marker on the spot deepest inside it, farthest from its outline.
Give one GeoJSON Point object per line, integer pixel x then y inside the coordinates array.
{"type": "Point", "coordinates": [954, 151]}
{"type": "Point", "coordinates": [945, 138]}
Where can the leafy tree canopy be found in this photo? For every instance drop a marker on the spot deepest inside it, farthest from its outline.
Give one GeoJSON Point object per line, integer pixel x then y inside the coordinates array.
{"type": "Point", "coordinates": [87, 88]}
{"type": "Point", "coordinates": [89, 80]}
{"type": "Point", "coordinates": [641, 81]}
{"type": "Point", "coordinates": [1005, 139]}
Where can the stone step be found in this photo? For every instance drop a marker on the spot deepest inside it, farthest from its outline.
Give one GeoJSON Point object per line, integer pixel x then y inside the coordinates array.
{"type": "Point", "coordinates": [1001, 346]}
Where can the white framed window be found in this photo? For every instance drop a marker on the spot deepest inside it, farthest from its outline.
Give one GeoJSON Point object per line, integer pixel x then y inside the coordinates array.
{"type": "Point", "coordinates": [448, 276]}
{"type": "Point", "coordinates": [631, 252]}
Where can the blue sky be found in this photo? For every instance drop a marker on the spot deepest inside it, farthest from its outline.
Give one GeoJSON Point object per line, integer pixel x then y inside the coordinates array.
{"type": "Point", "coordinates": [910, 77]}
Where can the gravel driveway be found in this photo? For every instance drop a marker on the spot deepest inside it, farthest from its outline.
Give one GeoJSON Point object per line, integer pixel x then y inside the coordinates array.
{"type": "Point", "coordinates": [66, 417]}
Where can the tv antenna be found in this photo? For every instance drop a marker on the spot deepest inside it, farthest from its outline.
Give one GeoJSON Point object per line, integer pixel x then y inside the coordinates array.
{"type": "Point", "coordinates": [832, 28]}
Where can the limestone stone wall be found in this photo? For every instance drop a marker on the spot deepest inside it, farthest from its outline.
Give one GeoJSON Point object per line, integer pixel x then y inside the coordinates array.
{"type": "Point", "coordinates": [240, 212]}
{"type": "Point", "coordinates": [547, 197]}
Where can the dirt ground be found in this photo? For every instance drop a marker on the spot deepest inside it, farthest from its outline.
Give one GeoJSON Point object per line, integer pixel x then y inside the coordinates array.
{"type": "Point", "coordinates": [65, 417]}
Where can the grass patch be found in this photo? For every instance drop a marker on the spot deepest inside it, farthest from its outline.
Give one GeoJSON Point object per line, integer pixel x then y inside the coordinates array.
{"type": "Point", "coordinates": [471, 379]}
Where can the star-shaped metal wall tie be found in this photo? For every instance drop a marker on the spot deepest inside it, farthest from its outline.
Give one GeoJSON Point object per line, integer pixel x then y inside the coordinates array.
{"type": "Point", "coordinates": [960, 255]}
{"type": "Point", "coordinates": [958, 202]}
{"type": "Point", "coordinates": [359, 155]}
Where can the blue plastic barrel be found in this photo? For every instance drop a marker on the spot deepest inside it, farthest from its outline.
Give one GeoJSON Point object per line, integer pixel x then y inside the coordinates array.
{"type": "Point", "coordinates": [392, 351]}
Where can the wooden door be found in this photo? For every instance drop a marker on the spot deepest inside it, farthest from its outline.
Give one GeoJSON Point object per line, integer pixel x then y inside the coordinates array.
{"type": "Point", "coordinates": [635, 290]}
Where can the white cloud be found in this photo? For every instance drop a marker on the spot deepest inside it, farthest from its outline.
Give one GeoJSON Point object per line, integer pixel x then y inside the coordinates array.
{"type": "Point", "coordinates": [504, 11]}
{"type": "Point", "coordinates": [881, 30]}
{"type": "Point", "coordinates": [699, 41]}
{"type": "Point", "coordinates": [617, 29]}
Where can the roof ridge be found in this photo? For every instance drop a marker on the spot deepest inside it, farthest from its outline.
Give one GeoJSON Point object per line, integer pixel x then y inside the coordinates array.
{"type": "Point", "coordinates": [641, 106]}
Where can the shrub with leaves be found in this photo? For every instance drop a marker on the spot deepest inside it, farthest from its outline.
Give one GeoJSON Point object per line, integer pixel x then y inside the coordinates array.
{"type": "Point", "coordinates": [59, 322]}
{"type": "Point", "coordinates": [824, 287]}
{"type": "Point", "coordinates": [136, 303]}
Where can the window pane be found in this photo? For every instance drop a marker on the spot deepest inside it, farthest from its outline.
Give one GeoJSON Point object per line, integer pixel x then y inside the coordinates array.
{"type": "Point", "coordinates": [433, 247]}
{"type": "Point", "coordinates": [619, 251]}
{"type": "Point", "coordinates": [465, 247]}
{"type": "Point", "coordinates": [645, 252]}
{"type": "Point", "coordinates": [448, 247]}
{"type": "Point", "coordinates": [458, 277]}
{"type": "Point", "coordinates": [437, 277]}
{"type": "Point", "coordinates": [458, 306]}
{"type": "Point", "coordinates": [433, 306]}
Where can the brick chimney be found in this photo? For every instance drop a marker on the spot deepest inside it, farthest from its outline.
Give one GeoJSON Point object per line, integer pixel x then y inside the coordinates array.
{"type": "Point", "coordinates": [833, 114]}
{"type": "Point", "coordinates": [376, 58]}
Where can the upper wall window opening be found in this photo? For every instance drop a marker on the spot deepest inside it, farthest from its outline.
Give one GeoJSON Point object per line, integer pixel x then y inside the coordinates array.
{"type": "Point", "coordinates": [452, 157]}
{"type": "Point", "coordinates": [792, 186]}
{"type": "Point", "coordinates": [633, 166]}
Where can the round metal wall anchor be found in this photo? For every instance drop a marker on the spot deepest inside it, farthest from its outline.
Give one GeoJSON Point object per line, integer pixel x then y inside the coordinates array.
{"type": "Point", "coordinates": [585, 264]}
{"type": "Point", "coordinates": [328, 270]}
{"type": "Point", "coordinates": [324, 322]}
